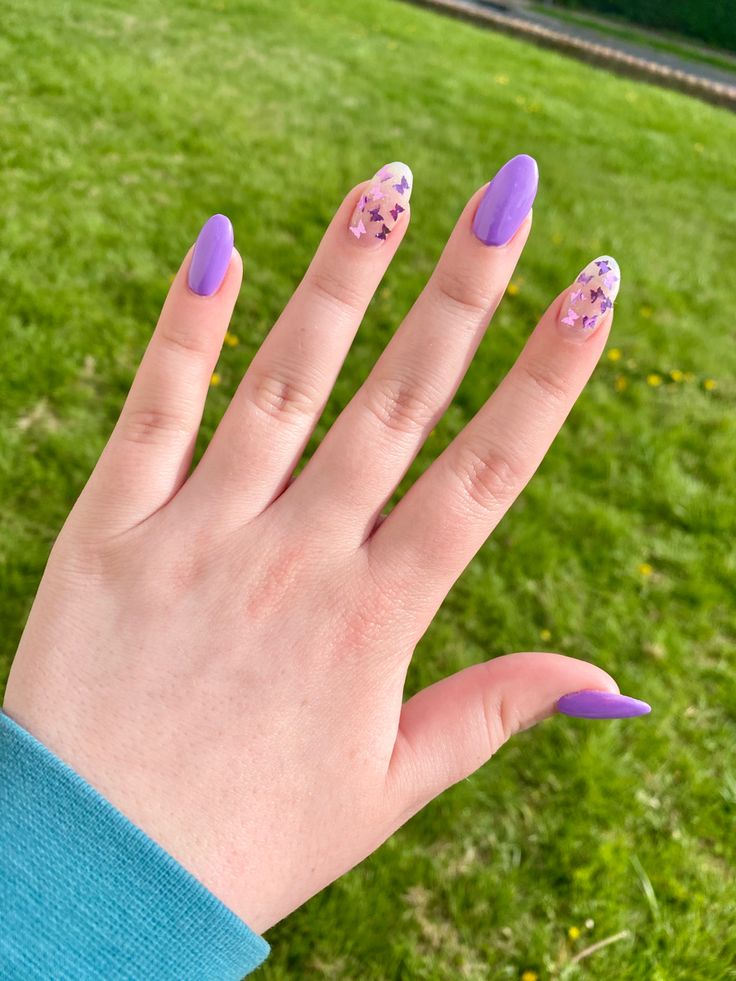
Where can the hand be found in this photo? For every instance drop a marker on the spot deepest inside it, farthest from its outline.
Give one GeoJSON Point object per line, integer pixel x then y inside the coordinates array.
{"type": "Point", "coordinates": [222, 655]}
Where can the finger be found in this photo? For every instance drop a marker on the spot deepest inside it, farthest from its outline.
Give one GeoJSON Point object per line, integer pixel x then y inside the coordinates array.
{"type": "Point", "coordinates": [369, 448]}
{"type": "Point", "coordinates": [434, 531]}
{"type": "Point", "coordinates": [150, 449]}
{"type": "Point", "coordinates": [451, 728]}
{"type": "Point", "coordinates": [267, 425]}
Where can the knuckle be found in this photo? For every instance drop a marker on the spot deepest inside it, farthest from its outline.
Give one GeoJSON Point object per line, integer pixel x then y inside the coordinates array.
{"type": "Point", "coordinates": [400, 405]}
{"type": "Point", "coordinates": [365, 618]}
{"type": "Point", "coordinates": [552, 386]}
{"type": "Point", "coordinates": [281, 394]}
{"type": "Point", "coordinates": [463, 295]}
{"type": "Point", "coordinates": [152, 427]}
{"type": "Point", "coordinates": [337, 292]}
{"type": "Point", "coordinates": [188, 336]}
{"type": "Point", "coordinates": [489, 478]}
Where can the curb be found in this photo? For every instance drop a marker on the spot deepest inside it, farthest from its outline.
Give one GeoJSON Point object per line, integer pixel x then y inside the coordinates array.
{"type": "Point", "coordinates": [589, 51]}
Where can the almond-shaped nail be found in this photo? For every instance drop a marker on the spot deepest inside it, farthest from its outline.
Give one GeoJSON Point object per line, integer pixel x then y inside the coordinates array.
{"type": "Point", "coordinates": [382, 205]}
{"type": "Point", "coordinates": [589, 298]}
{"type": "Point", "coordinates": [507, 201]}
{"type": "Point", "coordinates": [601, 705]}
{"type": "Point", "coordinates": [212, 252]}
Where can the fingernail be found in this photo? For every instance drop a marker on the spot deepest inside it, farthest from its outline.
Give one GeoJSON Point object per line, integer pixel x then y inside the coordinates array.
{"type": "Point", "coordinates": [212, 252]}
{"type": "Point", "coordinates": [590, 297]}
{"type": "Point", "coordinates": [507, 200]}
{"type": "Point", "coordinates": [601, 705]}
{"type": "Point", "coordinates": [382, 205]}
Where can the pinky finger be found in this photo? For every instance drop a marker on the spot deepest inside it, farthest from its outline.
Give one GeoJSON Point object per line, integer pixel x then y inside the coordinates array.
{"type": "Point", "coordinates": [148, 455]}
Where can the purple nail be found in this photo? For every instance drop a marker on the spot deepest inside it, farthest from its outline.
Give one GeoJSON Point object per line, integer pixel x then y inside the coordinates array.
{"type": "Point", "coordinates": [212, 253]}
{"type": "Point", "coordinates": [601, 705]}
{"type": "Point", "coordinates": [507, 200]}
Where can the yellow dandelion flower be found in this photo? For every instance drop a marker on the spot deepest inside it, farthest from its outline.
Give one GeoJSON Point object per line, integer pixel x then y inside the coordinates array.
{"type": "Point", "coordinates": [215, 379]}
{"type": "Point", "coordinates": [676, 375]}
{"type": "Point", "coordinates": [621, 384]}
{"type": "Point", "coordinates": [513, 289]}
{"type": "Point", "coordinates": [545, 634]}
{"type": "Point", "coordinates": [614, 354]}
{"type": "Point", "coordinates": [654, 379]}
{"type": "Point", "coordinates": [645, 570]}
{"type": "Point", "coordinates": [231, 340]}
{"type": "Point", "coordinates": [646, 312]}
{"type": "Point", "coordinates": [709, 384]}
{"type": "Point", "coordinates": [530, 976]}
{"type": "Point", "coordinates": [573, 933]}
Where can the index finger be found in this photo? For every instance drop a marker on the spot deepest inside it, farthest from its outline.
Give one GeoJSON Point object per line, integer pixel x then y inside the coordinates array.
{"type": "Point", "coordinates": [444, 518]}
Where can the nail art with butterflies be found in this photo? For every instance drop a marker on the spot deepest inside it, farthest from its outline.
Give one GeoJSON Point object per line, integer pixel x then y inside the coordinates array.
{"type": "Point", "coordinates": [383, 203]}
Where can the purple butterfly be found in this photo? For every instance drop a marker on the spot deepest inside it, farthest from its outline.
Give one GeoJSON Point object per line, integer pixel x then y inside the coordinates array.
{"type": "Point", "coordinates": [576, 297]}
{"type": "Point", "coordinates": [582, 278]}
{"type": "Point", "coordinates": [571, 317]}
{"type": "Point", "coordinates": [590, 322]}
{"type": "Point", "coordinates": [384, 174]}
{"type": "Point", "coordinates": [358, 229]}
{"type": "Point", "coordinates": [396, 211]}
{"type": "Point", "coordinates": [603, 266]}
{"type": "Point", "coordinates": [376, 193]}
{"type": "Point", "coordinates": [375, 214]}
{"type": "Point", "coordinates": [610, 281]}
{"type": "Point", "coordinates": [402, 186]}
{"type": "Point", "coordinates": [605, 304]}
{"type": "Point", "coordinates": [596, 294]}
{"type": "Point", "coordinates": [363, 202]}
{"type": "Point", "coordinates": [383, 233]}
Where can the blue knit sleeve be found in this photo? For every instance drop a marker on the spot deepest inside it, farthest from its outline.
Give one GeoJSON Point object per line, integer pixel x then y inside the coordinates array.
{"type": "Point", "coordinates": [85, 894]}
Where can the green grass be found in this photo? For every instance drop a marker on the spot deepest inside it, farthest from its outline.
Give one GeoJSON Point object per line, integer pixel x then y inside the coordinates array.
{"type": "Point", "coordinates": [660, 41]}
{"type": "Point", "coordinates": [124, 125]}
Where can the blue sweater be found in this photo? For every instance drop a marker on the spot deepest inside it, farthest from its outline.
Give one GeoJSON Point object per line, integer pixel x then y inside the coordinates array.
{"type": "Point", "coordinates": [85, 894]}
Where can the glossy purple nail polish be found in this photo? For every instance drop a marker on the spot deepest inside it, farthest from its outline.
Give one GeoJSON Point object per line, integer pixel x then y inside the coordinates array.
{"type": "Point", "coordinates": [507, 200]}
{"type": "Point", "coordinates": [211, 257]}
{"type": "Point", "coordinates": [601, 705]}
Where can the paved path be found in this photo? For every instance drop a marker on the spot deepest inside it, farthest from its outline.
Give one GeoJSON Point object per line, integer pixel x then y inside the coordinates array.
{"type": "Point", "coordinates": [639, 49]}
{"type": "Point", "coordinates": [696, 78]}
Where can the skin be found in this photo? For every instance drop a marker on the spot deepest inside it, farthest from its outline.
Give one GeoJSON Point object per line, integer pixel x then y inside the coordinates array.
{"type": "Point", "coordinates": [222, 653]}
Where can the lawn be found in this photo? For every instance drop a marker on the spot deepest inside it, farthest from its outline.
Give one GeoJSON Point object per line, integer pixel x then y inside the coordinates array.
{"type": "Point", "coordinates": [124, 125]}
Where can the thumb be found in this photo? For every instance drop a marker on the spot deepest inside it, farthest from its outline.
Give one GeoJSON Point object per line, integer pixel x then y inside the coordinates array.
{"type": "Point", "coordinates": [448, 730]}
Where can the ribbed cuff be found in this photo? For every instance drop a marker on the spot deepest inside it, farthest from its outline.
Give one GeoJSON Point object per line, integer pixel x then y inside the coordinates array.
{"type": "Point", "coordinates": [86, 894]}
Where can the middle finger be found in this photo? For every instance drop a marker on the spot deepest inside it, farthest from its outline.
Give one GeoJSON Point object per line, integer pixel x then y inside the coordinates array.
{"type": "Point", "coordinates": [370, 446]}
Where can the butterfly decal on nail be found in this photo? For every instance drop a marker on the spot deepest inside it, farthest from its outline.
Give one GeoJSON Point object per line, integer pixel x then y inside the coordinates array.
{"type": "Point", "coordinates": [590, 322]}
{"type": "Point", "coordinates": [571, 317]}
{"type": "Point", "coordinates": [606, 304]}
{"type": "Point", "coordinates": [610, 281]}
{"type": "Point", "coordinates": [603, 267]}
{"type": "Point", "coordinates": [363, 202]}
{"type": "Point", "coordinates": [582, 278]}
{"type": "Point", "coordinates": [576, 297]}
{"type": "Point", "coordinates": [596, 294]}
{"type": "Point", "coordinates": [402, 186]}
{"type": "Point", "coordinates": [358, 229]}
{"type": "Point", "coordinates": [383, 233]}
{"type": "Point", "coordinates": [384, 174]}
{"type": "Point", "coordinates": [376, 194]}
{"type": "Point", "coordinates": [375, 214]}
{"type": "Point", "coordinates": [396, 211]}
